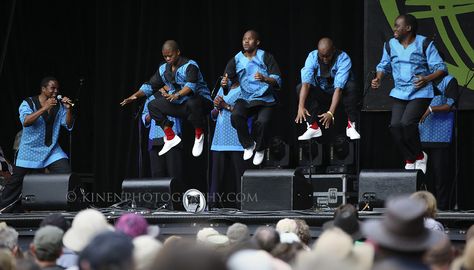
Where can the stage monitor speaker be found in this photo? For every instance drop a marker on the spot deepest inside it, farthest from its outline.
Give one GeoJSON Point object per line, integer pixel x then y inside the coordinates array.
{"type": "Point", "coordinates": [52, 192]}
{"type": "Point", "coordinates": [277, 155]}
{"type": "Point", "coordinates": [150, 193]}
{"type": "Point", "coordinates": [310, 152]}
{"type": "Point", "coordinates": [341, 151]}
{"type": "Point", "coordinates": [274, 190]}
{"type": "Point", "coordinates": [376, 186]}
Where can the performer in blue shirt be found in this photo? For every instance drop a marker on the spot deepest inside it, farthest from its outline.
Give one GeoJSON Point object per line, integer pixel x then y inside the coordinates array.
{"type": "Point", "coordinates": [259, 76]}
{"type": "Point", "coordinates": [326, 78]}
{"type": "Point", "coordinates": [436, 134]}
{"type": "Point", "coordinates": [227, 164]}
{"type": "Point", "coordinates": [41, 117]}
{"type": "Point", "coordinates": [414, 69]}
{"type": "Point", "coordinates": [169, 164]}
{"type": "Point", "coordinates": [187, 98]}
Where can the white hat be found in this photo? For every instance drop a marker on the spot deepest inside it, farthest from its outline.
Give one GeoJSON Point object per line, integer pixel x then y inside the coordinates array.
{"type": "Point", "coordinates": [86, 224]}
{"type": "Point", "coordinates": [250, 260]}
{"type": "Point", "coordinates": [145, 250]}
{"type": "Point", "coordinates": [286, 225]}
{"type": "Point", "coordinates": [335, 245]}
{"type": "Point", "coordinates": [202, 234]}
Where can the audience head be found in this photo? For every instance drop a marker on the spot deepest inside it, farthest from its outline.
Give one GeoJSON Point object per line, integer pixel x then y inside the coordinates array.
{"type": "Point", "coordinates": [86, 224]}
{"type": "Point", "coordinates": [47, 244]}
{"type": "Point", "coordinates": [266, 238]}
{"type": "Point", "coordinates": [237, 233]}
{"type": "Point", "coordinates": [428, 200]}
{"type": "Point", "coordinates": [107, 250]}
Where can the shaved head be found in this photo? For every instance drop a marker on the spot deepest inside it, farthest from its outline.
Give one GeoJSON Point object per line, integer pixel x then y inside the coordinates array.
{"type": "Point", "coordinates": [325, 44]}
{"type": "Point", "coordinates": [170, 45]}
{"type": "Point", "coordinates": [253, 33]}
{"type": "Point", "coordinates": [326, 50]}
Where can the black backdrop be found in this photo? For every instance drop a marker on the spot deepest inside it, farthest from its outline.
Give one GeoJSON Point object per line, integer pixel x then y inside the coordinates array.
{"type": "Point", "coordinates": [115, 46]}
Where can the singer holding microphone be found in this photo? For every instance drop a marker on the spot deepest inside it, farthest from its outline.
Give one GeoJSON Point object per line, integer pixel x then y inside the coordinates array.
{"type": "Point", "coordinates": [41, 117]}
{"type": "Point", "coordinates": [414, 69]}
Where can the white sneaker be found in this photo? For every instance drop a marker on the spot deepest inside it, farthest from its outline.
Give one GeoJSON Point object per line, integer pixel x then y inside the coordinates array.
{"type": "Point", "coordinates": [421, 163]}
{"type": "Point", "coordinates": [310, 133]}
{"type": "Point", "coordinates": [169, 144]}
{"type": "Point", "coordinates": [352, 133]}
{"type": "Point", "coordinates": [409, 166]}
{"type": "Point", "coordinates": [198, 145]}
{"type": "Point", "coordinates": [258, 157]}
{"type": "Point", "coordinates": [248, 152]}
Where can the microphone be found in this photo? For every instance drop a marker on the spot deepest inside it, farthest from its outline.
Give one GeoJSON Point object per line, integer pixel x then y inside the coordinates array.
{"type": "Point", "coordinates": [59, 97]}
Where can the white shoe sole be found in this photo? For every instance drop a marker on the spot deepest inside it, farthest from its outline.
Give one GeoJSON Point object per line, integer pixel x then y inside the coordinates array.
{"type": "Point", "coordinates": [175, 141]}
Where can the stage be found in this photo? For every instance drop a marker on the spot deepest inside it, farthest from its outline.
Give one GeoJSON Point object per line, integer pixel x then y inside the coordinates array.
{"type": "Point", "coordinates": [188, 224]}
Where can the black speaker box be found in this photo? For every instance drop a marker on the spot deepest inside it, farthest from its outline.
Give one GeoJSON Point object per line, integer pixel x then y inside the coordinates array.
{"type": "Point", "coordinates": [151, 193]}
{"type": "Point", "coordinates": [310, 152]}
{"type": "Point", "coordinates": [52, 192]}
{"type": "Point", "coordinates": [273, 190]}
{"type": "Point", "coordinates": [376, 186]}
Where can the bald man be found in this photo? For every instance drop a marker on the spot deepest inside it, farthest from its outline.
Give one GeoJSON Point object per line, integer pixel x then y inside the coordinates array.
{"type": "Point", "coordinates": [326, 78]}
{"type": "Point", "coordinates": [180, 91]}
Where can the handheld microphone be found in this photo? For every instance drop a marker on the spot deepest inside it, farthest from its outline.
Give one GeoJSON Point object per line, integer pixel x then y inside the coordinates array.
{"type": "Point", "coordinates": [59, 97]}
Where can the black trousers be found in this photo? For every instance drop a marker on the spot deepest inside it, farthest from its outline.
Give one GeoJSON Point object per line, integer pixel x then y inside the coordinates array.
{"type": "Point", "coordinates": [261, 113]}
{"type": "Point", "coordinates": [170, 164]}
{"type": "Point", "coordinates": [440, 174]}
{"type": "Point", "coordinates": [13, 187]}
{"type": "Point", "coordinates": [195, 109]}
{"type": "Point", "coordinates": [319, 102]}
{"type": "Point", "coordinates": [406, 115]}
{"type": "Point", "coordinates": [227, 170]}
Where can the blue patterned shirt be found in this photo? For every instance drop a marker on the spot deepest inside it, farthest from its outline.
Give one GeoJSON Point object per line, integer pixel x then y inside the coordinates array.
{"type": "Point", "coordinates": [438, 126]}
{"type": "Point", "coordinates": [339, 74]}
{"type": "Point", "coordinates": [225, 135]}
{"type": "Point", "coordinates": [33, 152]}
{"type": "Point", "coordinates": [406, 63]}
{"type": "Point", "coordinates": [243, 70]}
{"type": "Point", "coordinates": [187, 74]}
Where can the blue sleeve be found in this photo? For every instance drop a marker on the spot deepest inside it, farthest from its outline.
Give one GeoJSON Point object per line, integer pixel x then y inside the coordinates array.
{"type": "Point", "coordinates": [63, 112]}
{"type": "Point", "coordinates": [272, 68]}
{"type": "Point", "coordinates": [385, 63]}
{"type": "Point", "coordinates": [147, 89]}
{"type": "Point", "coordinates": [307, 72]}
{"type": "Point", "coordinates": [435, 62]}
{"type": "Point", "coordinates": [344, 65]}
{"type": "Point", "coordinates": [145, 113]}
{"type": "Point", "coordinates": [24, 110]}
{"type": "Point", "coordinates": [450, 101]}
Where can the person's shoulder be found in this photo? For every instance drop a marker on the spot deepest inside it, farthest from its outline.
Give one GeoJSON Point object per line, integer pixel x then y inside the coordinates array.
{"type": "Point", "coordinates": [162, 65]}
{"type": "Point", "coordinates": [343, 54]}
{"type": "Point", "coordinates": [150, 98]}
{"type": "Point", "coordinates": [238, 55]}
{"type": "Point", "coordinates": [421, 39]}
{"type": "Point", "coordinates": [266, 54]}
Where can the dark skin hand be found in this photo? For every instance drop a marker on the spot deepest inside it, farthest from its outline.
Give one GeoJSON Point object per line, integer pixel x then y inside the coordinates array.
{"type": "Point", "coordinates": [219, 103]}
{"type": "Point", "coordinates": [326, 51]}
{"type": "Point", "coordinates": [436, 109]}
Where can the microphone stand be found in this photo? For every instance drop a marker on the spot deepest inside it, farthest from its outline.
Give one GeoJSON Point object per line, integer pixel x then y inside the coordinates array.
{"type": "Point", "coordinates": [208, 149]}
{"type": "Point", "coordinates": [140, 154]}
{"type": "Point", "coordinates": [79, 89]}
